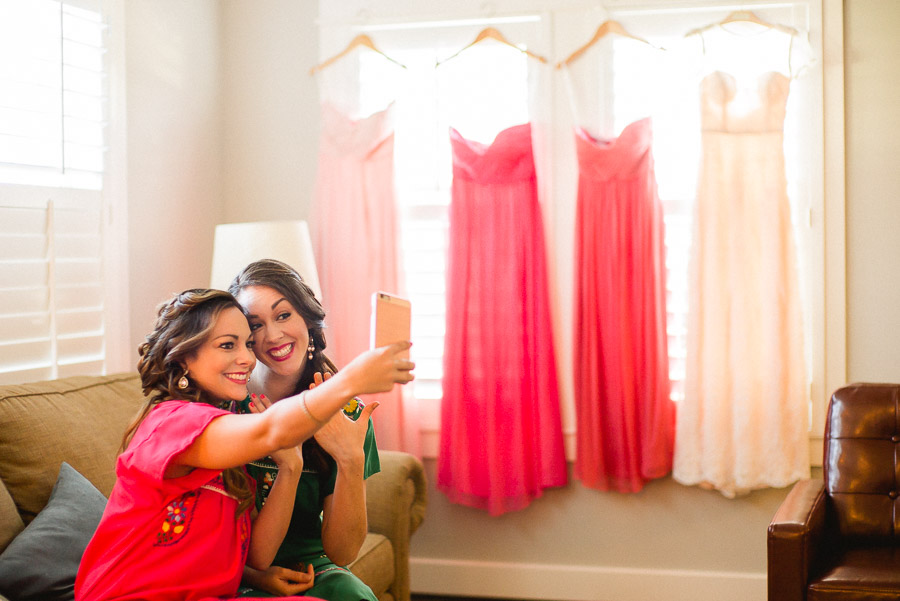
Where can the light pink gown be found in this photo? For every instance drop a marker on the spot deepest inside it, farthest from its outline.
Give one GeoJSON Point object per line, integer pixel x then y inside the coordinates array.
{"type": "Point", "coordinates": [626, 420]}
{"type": "Point", "coordinates": [501, 435]}
{"type": "Point", "coordinates": [356, 237]}
{"type": "Point", "coordinates": [743, 422]}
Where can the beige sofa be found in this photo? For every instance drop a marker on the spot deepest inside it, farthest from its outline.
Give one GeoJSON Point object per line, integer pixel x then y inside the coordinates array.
{"type": "Point", "coordinates": [80, 420]}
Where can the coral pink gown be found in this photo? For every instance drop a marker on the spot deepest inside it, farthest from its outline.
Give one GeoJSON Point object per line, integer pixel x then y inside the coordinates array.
{"type": "Point", "coordinates": [501, 435]}
{"type": "Point", "coordinates": [626, 420]}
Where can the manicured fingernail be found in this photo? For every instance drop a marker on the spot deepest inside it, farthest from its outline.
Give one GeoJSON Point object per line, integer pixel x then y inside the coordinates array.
{"type": "Point", "coordinates": [251, 404]}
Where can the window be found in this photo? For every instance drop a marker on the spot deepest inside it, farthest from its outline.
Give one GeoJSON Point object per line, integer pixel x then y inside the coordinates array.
{"type": "Point", "coordinates": [423, 163]}
{"type": "Point", "coordinates": [54, 214]}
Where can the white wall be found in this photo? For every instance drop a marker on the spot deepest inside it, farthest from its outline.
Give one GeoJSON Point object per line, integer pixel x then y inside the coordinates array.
{"type": "Point", "coordinates": [222, 125]}
{"type": "Point", "coordinates": [873, 189]}
{"type": "Point", "coordinates": [174, 149]}
{"type": "Point", "coordinates": [271, 104]}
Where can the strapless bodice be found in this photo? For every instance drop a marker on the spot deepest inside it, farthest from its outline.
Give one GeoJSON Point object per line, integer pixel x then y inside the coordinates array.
{"type": "Point", "coordinates": [507, 159]}
{"type": "Point", "coordinates": [355, 137]}
{"type": "Point", "coordinates": [729, 105]}
{"type": "Point", "coordinates": [622, 157]}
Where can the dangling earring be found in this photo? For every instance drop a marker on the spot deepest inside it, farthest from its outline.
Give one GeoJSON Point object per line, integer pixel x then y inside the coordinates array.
{"type": "Point", "coordinates": [183, 381]}
{"type": "Point", "coordinates": [310, 349]}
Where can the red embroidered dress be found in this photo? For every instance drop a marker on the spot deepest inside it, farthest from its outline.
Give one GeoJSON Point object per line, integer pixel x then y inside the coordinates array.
{"type": "Point", "coordinates": [166, 539]}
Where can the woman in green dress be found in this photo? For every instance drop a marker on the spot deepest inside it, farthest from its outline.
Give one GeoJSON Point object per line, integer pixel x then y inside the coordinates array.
{"type": "Point", "coordinates": [328, 524]}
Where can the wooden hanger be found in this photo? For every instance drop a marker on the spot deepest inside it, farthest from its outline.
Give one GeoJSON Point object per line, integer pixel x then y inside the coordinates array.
{"type": "Point", "coordinates": [744, 16]}
{"type": "Point", "coordinates": [360, 40]}
{"type": "Point", "coordinates": [608, 27]}
{"type": "Point", "coordinates": [493, 34]}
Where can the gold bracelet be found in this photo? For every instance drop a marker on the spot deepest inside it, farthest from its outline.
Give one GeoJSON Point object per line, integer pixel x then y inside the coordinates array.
{"type": "Point", "coordinates": [306, 410]}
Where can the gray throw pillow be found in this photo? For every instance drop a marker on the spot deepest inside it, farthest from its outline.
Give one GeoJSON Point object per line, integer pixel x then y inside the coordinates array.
{"type": "Point", "coordinates": [41, 562]}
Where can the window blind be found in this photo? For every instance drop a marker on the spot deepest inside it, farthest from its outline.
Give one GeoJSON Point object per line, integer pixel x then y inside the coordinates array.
{"type": "Point", "coordinates": [52, 93]}
{"type": "Point", "coordinates": [52, 145]}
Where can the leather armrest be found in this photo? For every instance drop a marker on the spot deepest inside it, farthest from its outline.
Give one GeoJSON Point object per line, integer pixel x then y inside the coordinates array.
{"type": "Point", "coordinates": [794, 540]}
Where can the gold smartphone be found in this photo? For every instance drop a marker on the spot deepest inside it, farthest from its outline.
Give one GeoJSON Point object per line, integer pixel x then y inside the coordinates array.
{"type": "Point", "coordinates": [391, 317]}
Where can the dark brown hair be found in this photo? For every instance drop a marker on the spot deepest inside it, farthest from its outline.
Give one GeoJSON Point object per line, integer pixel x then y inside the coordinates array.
{"type": "Point", "coordinates": [183, 324]}
{"type": "Point", "coordinates": [285, 279]}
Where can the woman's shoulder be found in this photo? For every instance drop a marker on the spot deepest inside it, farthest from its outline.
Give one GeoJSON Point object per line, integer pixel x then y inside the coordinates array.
{"type": "Point", "coordinates": [166, 408]}
{"type": "Point", "coordinates": [179, 413]}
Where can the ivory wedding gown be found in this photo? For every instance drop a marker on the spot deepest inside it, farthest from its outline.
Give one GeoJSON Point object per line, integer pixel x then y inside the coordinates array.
{"type": "Point", "coordinates": [743, 422]}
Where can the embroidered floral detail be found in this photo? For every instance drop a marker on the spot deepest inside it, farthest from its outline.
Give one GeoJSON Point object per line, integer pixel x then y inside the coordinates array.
{"type": "Point", "coordinates": [178, 519]}
{"type": "Point", "coordinates": [265, 479]}
{"type": "Point", "coordinates": [245, 535]}
{"type": "Point", "coordinates": [331, 569]}
{"type": "Point", "coordinates": [217, 484]}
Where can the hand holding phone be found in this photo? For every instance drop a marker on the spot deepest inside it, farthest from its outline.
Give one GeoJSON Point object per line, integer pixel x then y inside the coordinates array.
{"type": "Point", "coordinates": [391, 317]}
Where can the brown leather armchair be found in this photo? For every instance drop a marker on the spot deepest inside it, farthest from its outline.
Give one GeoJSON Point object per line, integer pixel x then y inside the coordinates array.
{"type": "Point", "coordinates": [838, 538]}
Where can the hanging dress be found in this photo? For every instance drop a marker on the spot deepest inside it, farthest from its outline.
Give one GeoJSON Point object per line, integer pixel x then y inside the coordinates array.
{"type": "Point", "coordinates": [626, 420]}
{"type": "Point", "coordinates": [743, 422]}
{"type": "Point", "coordinates": [355, 224]}
{"type": "Point", "coordinates": [501, 436]}
{"type": "Point", "coordinates": [356, 237]}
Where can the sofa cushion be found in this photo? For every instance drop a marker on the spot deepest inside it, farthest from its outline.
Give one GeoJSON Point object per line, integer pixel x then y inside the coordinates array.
{"type": "Point", "coordinates": [42, 561]}
{"type": "Point", "coordinates": [79, 420]}
{"type": "Point", "coordinates": [10, 522]}
{"type": "Point", "coordinates": [375, 563]}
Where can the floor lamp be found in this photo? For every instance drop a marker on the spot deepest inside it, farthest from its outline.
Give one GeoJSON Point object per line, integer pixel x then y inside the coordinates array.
{"type": "Point", "coordinates": [238, 244]}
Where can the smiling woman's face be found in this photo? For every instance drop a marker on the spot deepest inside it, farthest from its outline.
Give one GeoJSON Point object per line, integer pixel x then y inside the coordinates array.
{"type": "Point", "coordinates": [222, 364]}
{"type": "Point", "coordinates": [280, 333]}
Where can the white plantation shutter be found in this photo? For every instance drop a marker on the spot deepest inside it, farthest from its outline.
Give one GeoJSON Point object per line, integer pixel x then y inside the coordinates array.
{"type": "Point", "coordinates": [53, 94]}
{"type": "Point", "coordinates": [51, 286]}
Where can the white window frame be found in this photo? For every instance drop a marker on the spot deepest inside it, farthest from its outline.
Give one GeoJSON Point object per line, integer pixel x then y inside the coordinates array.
{"type": "Point", "coordinates": [340, 21]}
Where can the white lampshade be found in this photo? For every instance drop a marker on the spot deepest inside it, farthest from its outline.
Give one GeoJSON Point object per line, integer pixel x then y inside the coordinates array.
{"type": "Point", "coordinates": [239, 244]}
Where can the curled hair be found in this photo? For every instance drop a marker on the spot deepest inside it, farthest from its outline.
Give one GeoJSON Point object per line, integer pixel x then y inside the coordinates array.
{"type": "Point", "coordinates": [285, 279]}
{"type": "Point", "coordinates": [183, 324]}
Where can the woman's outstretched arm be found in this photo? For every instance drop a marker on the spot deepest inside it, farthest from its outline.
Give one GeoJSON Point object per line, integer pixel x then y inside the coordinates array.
{"type": "Point", "coordinates": [233, 440]}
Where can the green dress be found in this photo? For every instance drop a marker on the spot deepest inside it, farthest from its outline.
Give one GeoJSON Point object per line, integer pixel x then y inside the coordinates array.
{"type": "Point", "coordinates": [303, 541]}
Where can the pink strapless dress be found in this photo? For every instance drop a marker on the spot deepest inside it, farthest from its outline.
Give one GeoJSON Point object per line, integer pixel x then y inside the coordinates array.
{"type": "Point", "coordinates": [356, 234]}
{"type": "Point", "coordinates": [501, 434]}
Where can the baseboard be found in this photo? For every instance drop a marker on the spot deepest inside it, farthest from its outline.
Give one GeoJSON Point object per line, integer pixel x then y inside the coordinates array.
{"type": "Point", "coordinates": [580, 583]}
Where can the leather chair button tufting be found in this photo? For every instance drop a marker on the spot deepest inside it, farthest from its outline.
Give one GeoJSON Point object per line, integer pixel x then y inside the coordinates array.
{"type": "Point", "coordinates": [893, 494]}
{"type": "Point", "coordinates": [895, 438]}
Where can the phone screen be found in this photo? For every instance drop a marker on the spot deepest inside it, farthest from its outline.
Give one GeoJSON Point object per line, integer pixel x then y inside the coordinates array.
{"type": "Point", "coordinates": [391, 316]}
